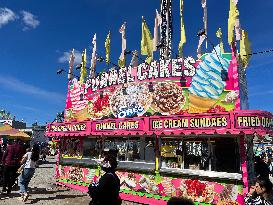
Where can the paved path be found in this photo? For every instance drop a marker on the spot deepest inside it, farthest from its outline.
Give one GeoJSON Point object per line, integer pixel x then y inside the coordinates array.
{"type": "Point", "coordinates": [43, 191]}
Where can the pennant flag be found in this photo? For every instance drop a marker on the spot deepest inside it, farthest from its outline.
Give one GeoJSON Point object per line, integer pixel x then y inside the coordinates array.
{"type": "Point", "coordinates": [205, 17]}
{"type": "Point", "coordinates": [201, 40]}
{"type": "Point", "coordinates": [71, 64]}
{"type": "Point", "coordinates": [122, 60]}
{"type": "Point", "coordinates": [158, 21]}
{"type": "Point", "coordinates": [233, 15]}
{"type": "Point", "coordinates": [182, 30]}
{"type": "Point", "coordinates": [238, 30]}
{"type": "Point", "coordinates": [245, 49]}
{"type": "Point", "coordinates": [94, 57]}
{"type": "Point", "coordinates": [146, 42]}
{"type": "Point", "coordinates": [107, 48]}
{"type": "Point", "coordinates": [83, 67]}
{"type": "Point", "coordinates": [134, 61]}
{"type": "Point", "coordinates": [219, 35]}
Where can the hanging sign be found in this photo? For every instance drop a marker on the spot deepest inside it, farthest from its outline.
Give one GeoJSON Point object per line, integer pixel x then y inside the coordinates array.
{"type": "Point", "coordinates": [118, 125]}
{"type": "Point", "coordinates": [247, 120]}
{"type": "Point", "coordinates": [69, 127]}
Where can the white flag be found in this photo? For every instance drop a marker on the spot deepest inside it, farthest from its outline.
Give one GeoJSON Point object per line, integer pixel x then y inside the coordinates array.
{"type": "Point", "coordinates": [94, 57]}
{"type": "Point", "coordinates": [158, 21]}
{"type": "Point", "coordinates": [123, 41]}
{"type": "Point", "coordinates": [205, 17]}
{"type": "Point", "coordinates": [201, 40]}
{"type": "Point", "coordinates": [134, 61]}
{"type": "Point", "coordinates": [71, 64]}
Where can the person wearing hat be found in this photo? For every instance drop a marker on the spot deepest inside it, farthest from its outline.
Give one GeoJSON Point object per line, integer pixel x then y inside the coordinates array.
{"type": "Point", "coordinates": [106, 191]}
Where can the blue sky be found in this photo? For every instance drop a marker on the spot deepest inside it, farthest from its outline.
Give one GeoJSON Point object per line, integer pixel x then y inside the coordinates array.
{"type": "Point", "coordinates": [35, 37]}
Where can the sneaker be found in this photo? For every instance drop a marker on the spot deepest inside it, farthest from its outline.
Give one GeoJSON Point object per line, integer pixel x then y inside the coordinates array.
{"type": "Point", "coordinates": [25, 197]}
{"type": "Point", "coordinates": [20, 198]}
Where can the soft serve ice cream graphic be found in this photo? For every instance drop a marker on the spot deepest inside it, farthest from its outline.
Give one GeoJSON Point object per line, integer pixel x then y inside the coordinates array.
{"type": "Point", "coordinates": [207, 85]}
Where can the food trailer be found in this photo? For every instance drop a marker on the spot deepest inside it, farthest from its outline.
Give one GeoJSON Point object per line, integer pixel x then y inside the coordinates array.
{"type": "Point", "coordinates": [176, 127]}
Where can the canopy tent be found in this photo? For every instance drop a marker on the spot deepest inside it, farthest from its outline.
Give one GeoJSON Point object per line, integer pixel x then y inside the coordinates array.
{"type": "Point", "coordinates": [9, 132]}
{"type": "Point", "coordinates": [20, 135]}
{"type": "Point", "coordinates": [6, 129]}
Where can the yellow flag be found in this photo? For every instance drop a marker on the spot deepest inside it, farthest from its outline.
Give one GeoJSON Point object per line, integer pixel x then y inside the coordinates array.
{"type": "Point", "coordinates": [233, 15]}
{"type": "Point", "coordinates": [83, 67]}
{"type": "Point", "coordinates": [107, 48]}
{"type": "Point", "coordinates": [183, 33]}
{"type": "Point", "coordinates": [219, 35]}
{"type": "Point", "coordinates": [245, 49]}
{"type": "Point", "coordinates": [146, 42]}
{"type": "Point", "coordinates": [122, 62]}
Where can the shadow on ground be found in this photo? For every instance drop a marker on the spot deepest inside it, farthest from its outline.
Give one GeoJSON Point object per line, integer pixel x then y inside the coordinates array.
{"type": "Point", "coordinates": [33, 191]}
{"type": "Point", "coordinates": [34, 201]}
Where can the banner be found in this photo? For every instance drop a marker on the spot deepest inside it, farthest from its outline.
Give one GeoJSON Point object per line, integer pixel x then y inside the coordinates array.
{"type": "Point", "coordinates": [165, 87]}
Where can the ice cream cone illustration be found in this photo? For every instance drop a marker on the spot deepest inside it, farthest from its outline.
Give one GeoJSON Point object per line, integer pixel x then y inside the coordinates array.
{"type": "Point", "coordinates": [200, 104]}
{"type": "Point", "coordinates": [207, 84]}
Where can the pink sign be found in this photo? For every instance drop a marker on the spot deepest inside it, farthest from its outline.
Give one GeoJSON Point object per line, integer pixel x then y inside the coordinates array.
{"type": "Point", "coordinates": [253, 120]}
{"type": "Point", "coordinates": [136, 124]}
{"type": "Point", "coordinates": [165, 87]}
{"type": "Point", "coordinates": [80, 128]}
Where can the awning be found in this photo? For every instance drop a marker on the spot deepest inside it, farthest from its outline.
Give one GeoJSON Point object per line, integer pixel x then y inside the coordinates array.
{"type": "Point", "coordinates": [20, 135]}
{"type": "Point", "coordinates": [6, 129]}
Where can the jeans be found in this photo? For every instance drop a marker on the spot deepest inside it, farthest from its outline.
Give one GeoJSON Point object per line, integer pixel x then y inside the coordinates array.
{"type": "Point", "coordinates": [25, 178]}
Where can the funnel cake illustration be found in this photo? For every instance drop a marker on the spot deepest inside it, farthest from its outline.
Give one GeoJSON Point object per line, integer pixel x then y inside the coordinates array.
{"type": "Point", "coordinates": [207, 84]}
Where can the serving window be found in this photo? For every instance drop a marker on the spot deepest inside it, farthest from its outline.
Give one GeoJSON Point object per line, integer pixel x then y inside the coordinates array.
{"type": "Point", "coordinates": [71, 147]}
{"type": "Point", "coordinates": [92, 147]}
{"type": "Point", "coordinates": [141, 149]}
{"type": "Point", "coordinates": [219, 154]}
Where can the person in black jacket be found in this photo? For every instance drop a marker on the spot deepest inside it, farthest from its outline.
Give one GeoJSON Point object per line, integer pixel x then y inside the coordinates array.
{"type": "Point", "coordinates": [106, 191]}
{"type": "Point", "coordinates": [261, 168]}
{"type": "Point", "coordinates": [179, 201]}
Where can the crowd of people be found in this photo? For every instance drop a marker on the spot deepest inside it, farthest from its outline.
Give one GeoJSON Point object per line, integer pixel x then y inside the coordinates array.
{"type": "Point", "coordinates": [18, 164]}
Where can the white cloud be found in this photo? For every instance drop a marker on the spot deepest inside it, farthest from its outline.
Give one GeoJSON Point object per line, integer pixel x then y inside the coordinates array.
{"type": "Point", "coordinates": [6, 16]}
{"type": "Point", "coordinates": [29, 20]}
{"type": "Point", "coordinates": [66, 55]}
{"type": "Point", "coordinates": [22, 87]}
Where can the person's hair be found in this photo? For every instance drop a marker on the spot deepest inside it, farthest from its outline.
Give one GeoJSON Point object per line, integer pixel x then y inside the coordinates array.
{"type": "Point", "coordinates": [9, 141]}
{"type": "Point", "coordinates": [179, 201]}
{"type": "Point", "coordinates": [112, 160]}
{"type": "Point", "coordinates": [18, 141]}
{"type": "Point", "coordinates": [265, 183]}
{"type": "Point", "coordinates": [35, 153]}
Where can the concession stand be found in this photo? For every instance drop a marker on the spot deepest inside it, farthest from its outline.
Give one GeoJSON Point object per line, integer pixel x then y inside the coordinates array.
{"type": "Point", "coordinates": [176, 127]}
